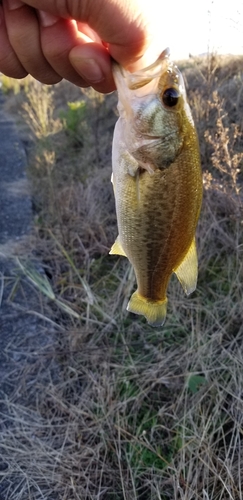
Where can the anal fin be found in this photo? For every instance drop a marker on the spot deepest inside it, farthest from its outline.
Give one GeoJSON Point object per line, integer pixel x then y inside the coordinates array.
{"type": "Point", "coordinates": [117, 249]}
{"type": "Point", "coordinates": [187, 271]}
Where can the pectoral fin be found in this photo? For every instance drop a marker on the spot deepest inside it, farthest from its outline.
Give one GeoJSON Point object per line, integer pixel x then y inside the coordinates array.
{"type": "Point", "coordinates": [129, 164]}
{"type": "Point", "coordinates": [186, 272]}
{"type": "Point", "coordinates": [117, 249]}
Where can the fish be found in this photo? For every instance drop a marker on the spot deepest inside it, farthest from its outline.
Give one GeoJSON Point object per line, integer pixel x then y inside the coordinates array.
{"type": "Point", "coordinates": [157, 182]}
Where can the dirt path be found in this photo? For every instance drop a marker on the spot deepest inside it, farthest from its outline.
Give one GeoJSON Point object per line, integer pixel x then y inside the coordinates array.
{"type": "Point", "coordinates": [25, 332]}
{"type": "Point", "coordinates": [19, 325]}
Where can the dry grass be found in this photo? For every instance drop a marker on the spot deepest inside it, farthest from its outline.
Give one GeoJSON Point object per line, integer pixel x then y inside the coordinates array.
{"type": "Point", "coordinates": [111, 408]}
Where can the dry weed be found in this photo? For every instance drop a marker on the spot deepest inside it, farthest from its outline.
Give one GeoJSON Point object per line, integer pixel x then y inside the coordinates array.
{"type": "Point", "coordinates": [223, 142]}
{"type": "Point", "coordinates": [39, 109]}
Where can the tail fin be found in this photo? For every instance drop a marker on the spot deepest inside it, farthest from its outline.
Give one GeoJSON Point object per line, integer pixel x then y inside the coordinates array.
{"type": "Point", "coordinates": [154, 311]}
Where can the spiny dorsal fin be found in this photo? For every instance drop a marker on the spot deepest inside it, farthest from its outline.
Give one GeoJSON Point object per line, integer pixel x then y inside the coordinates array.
{"type": "Point", "coordinates": [186, 272]}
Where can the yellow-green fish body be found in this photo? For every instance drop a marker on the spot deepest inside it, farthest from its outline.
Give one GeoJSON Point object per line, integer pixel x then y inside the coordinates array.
{"type": "Point", "coordinates": [157, 183]}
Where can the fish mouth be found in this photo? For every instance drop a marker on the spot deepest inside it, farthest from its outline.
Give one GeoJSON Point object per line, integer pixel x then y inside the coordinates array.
{"type": "Point", "coordinates": [144, 76]}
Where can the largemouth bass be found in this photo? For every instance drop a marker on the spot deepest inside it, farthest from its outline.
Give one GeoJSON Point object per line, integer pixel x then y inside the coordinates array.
{"type": "Point", "coordinates": [157, 183]}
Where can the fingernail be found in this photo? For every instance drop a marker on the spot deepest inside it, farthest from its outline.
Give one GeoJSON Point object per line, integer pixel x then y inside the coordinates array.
{"type": "Point", "coordinates": [88, 69]}
{"type": "Point", "coordinates": [47, 19]}
{"type": "Point", "coordinates": [14, 4]}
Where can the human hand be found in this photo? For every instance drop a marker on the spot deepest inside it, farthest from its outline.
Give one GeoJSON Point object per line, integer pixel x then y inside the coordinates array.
{"type": "Point", "coordinates": [73, 39]}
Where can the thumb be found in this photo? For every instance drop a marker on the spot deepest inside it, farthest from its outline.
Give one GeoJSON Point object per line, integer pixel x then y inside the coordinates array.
{"type": "Point", "coordinates": [124, 25]}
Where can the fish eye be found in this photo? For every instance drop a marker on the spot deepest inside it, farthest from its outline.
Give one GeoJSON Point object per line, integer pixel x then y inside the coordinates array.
{"type": "Point", "coordinates": [170, 97]}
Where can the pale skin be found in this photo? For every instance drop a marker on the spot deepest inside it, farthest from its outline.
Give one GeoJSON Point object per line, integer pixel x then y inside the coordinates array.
{"type": "Point", "coordinates": [74, 39]}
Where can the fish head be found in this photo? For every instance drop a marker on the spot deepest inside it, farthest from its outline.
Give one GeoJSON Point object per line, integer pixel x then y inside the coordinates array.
{"type": "Point", "coordinates": [154, 112]}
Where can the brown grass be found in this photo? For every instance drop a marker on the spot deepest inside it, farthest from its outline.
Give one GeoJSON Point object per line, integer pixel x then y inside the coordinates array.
{"type": "Point", "coordinates": [110, 408]}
